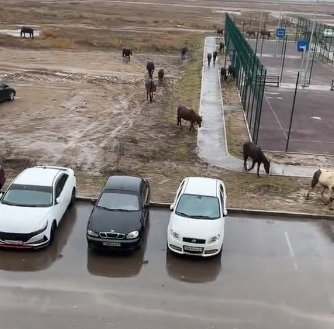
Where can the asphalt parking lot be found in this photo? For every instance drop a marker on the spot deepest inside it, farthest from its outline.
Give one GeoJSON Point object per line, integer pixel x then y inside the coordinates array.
{"type": "Point", "coordinates": [272, 274]}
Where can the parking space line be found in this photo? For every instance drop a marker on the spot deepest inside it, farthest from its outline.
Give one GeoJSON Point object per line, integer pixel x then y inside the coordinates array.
{"type": "Point", "coordinates": [290, 249]}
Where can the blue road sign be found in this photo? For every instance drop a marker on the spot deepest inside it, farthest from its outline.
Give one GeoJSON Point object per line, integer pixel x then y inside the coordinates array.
{"type": "Point", "coordinates": [280, 33]}
{"type": "Point", "coordinates": [303, 45]}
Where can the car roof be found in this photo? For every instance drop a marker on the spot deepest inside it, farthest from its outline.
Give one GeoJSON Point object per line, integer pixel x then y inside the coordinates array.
{"type": "Point", "coordinates": [127, 183]}
{"type": "Point", "coordinates": [37, 176]}
{"type": "Point", "coordinates": [201, 186]}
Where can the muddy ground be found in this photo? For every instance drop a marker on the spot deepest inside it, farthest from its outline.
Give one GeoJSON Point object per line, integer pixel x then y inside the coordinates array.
{"type": "Point", "coordinates": [80, 105]}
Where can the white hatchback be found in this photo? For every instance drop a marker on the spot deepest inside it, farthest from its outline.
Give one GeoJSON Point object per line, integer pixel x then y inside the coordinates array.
{"type": "Point", "coordinates": [197, 222]}
{"type": "Point", "coordinates": [33, 206]}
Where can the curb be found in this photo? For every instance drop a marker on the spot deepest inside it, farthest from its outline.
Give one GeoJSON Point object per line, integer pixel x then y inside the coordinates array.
{"type": "Point", "coordinates": [243, 211]}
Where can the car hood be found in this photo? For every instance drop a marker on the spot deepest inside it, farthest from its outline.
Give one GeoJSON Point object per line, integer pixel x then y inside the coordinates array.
{"type": "Point", "coordinates": [120, 221]}
{"type": "Point", "coordinates": [22, 219]}
{"type": "Point", "coordinates": [196, 228]}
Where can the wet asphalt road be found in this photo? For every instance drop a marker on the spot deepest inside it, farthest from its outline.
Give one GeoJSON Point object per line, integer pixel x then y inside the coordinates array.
{"type": "Point", "coordinates": [272, 274]}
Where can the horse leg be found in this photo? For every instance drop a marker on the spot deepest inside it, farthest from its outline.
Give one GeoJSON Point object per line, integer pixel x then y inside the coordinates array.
{"type": "Point", "coordinates": [258, 169]}
{"type": "Point", "coordinates": [146, 94]}
{"type": "Point", "coordinates": [151, 97]}
{"type": "Point", "coordinates": [252, 166]}
{"type": "Point", "coordinates": [191, 126]}
{"type": "Point", "coordinates": [245, 162]}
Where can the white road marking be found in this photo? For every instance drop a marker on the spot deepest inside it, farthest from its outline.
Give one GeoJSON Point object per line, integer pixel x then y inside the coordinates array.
{"type": "Point", "coordinates": [279, 98]}
{"type": "Point", "coordinates": [269, 97]}
{"type": "Point", "coordinates": [270, 93]}
{"type": "Point", "coordinates": [290, 249]}
{"type": "Point", "coordinates": [272, 110]}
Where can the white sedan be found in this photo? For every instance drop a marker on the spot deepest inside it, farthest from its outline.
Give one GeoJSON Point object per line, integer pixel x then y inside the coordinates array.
{"type": "Point", "coordinates": [33, 206]}
{"type": "Point", "coordinates": [197, 221]}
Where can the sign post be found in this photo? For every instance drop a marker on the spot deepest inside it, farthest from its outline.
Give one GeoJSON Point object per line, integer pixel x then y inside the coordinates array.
{"type": "Point", "coordinates": [280, 34]}
{"type": "Point", "coordinates": [302, 47]}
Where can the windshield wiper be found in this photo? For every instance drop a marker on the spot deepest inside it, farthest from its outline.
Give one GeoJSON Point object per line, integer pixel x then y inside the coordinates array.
{"type": "Point", "coordinates": [112, 209]}
{"type": "Point", "coordinates": [202, 217]}
{"type": "Point", "coordinates": [182, 214]}
{"type": "Point", "coordinates": [19, 204]}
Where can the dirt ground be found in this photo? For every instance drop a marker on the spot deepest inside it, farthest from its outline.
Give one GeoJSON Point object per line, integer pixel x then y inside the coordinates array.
{"type": "Point", "coordinates": [80, 105]}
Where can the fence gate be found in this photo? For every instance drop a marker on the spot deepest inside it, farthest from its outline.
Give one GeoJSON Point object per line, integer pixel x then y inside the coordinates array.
{"type": "Point", "coordinates": [250, 75]}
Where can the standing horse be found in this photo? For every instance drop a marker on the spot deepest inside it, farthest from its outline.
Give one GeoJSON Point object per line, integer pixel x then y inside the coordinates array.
{"type": "Point", "coordinates": [127, 53]}
{"type": "Point", "coordinates": [215, 54]}
{"type": "Point", "coordinates": [185, 113]}
{"type": "Point", "coordinates": [264, 33]}
{"type": "Point", "coordinates": [251, 33]}
{"type": "Point", "coordinates": [209, 57]}
{"type": "Point", "coordinates": [231, 71]}
{"type": "Point", "coordinates": [161, 74]}
{"type": "Point", "coordinates": [223, 74]}
{"type": "Point", "coordinates": [150, 69]}
{"type": "Point", "coordinates": [256, 154]}
{"type": "Point", "coordinates": [326, 179]}
{"type": "Point", "coordinates": [220, 32]}
{"type": "Point", "coordinates": [27, 30]}
{"type": "Point", "coordinates": [151, 88]}
{"type": "Point", "coordinates": [184, 50]}
{"type": "Point", "coordinates": [221, 47]}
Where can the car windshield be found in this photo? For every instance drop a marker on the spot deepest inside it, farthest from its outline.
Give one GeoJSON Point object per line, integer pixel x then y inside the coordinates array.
{"type": "Point", "coordinates": [28, 196]}
{"type": "Point", "coordinates": [116, 200]}
{"type": "Point", "coordinates": [198, 206]}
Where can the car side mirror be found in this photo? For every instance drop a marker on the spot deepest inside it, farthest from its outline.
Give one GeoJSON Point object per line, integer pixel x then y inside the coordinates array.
{"type": "Point", "coordinates": [92, 201]}
{"type": "Point", "coordinates": [171, 207]}
{"type": "Point", "coordinates": [57, 200]}
{"type": "Point", "coordinates": [146, 205]}
{"type": "Point", "coordinates": [225, 213]}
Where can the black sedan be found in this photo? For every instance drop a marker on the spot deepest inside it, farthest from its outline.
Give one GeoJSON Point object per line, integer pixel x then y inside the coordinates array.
{"type": "Point", "coordinates": [120, 214]}
{"type": "Point", "coordinates": [7, 93]}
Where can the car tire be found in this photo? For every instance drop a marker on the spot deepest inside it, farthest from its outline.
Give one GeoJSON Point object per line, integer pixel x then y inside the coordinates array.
{"type": "Point", "coordinates": [72, 197]}
{"type": "Point", "coordinates": [11, 96]}
{"type": "Point", "coordinates": [52, 232]}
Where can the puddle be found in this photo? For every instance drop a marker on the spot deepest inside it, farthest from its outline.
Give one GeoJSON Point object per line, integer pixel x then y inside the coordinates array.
{"type": "Point", "coordinates": [16, 33]}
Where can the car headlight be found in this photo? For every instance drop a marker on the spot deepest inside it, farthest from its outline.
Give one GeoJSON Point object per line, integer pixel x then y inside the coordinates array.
{"type": "Point", "coordinates": [175, 235]}
{"type": "Point", "coordinates": [92, 233]}
{"type": "Point", "coordinates": [132, 235]}
{"type": "Point", "coordinates": [214, 239]}
{"type": "Point", "coordinates": [42, 229]}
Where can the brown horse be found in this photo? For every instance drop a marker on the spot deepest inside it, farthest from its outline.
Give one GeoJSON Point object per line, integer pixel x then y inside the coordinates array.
{"type": "Point", "coordinates": [185, 113]}
{"type": "Point", "coordinates": [151, 88]}
{"type": "Point", "coordinates": [161, 74]}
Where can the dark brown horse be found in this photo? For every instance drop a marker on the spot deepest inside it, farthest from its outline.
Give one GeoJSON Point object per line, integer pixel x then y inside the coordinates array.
{"type": "Point", "coordinates": [127, 53]}
{"type": "Point", "coordinates": [265, 33]}
{"type": "Point", "coordinates": [252, 33]}
{"type": "Point", "coordinates": [221, 47]}
{"type": "Point", "coordinates": [214, 55]}
{"type": "Point", "coordinates": [150, 69]}
{"type": "Point", "coordinates": [185, 113]}
{"type": "Point", "coordinates": [161, 74]}
{"type": "Point", "coordinates": [184, 50]}
{"type": "Point", "coordinates": [27, 30]}
{"type": "Point", "coordinates": [151, 88]}
{"type": "Point", "coordinates": [209, 57]}
{"type": "Point", "coordinates": [220, 32]}
{"type": "Point", "coordinates": [250, 150]}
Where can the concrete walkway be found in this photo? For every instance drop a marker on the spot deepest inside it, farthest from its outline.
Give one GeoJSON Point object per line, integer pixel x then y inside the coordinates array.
{"type": "Point", "coordinates": [212, 145]}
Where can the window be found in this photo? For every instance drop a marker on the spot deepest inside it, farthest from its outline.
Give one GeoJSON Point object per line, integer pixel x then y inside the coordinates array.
{"type": "Point", "coordinates": [221, 190]}
{"type": "Point", "coordinates": [180, 190]}
{"type": "Point", "coordinates": [222, 200]}
{"type": "Point", "coordinates": [60, 184]}
{"type": "Point", "coordinates": [118, 200]}
{"type": "Point", "coordinates": [28, 196]}
{"type": "Point", "coordinates": [198, 206]}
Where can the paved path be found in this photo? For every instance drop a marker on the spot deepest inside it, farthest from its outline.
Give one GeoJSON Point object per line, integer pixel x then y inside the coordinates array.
{"type": "Point", "coordinates": [212, 145]}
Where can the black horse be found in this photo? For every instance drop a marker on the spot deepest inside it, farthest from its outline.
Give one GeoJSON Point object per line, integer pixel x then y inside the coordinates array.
{"type": "Point", "coordinates": [215, 54]}
{"type": "Point", "coordinates": [265, 33]}
{"type": "Point", "coordinates": [150, 69]}
{"type": "Point", "coordinates": [184, 50]}
{"type": "Point", "coordinates": [161, 74]}
{"type": "Point", "coordinates": [209, 57]}
{"type": "Point", "coordinates": [231, 71]}
{"type": "Point", "coordinates": [151, 88]}
{"type": "Point", "coordinates": [256, 154]}
{"type": "Point", "coordinates": [27, 30]}
{"type": "Point", "coordinates": [221, 47]}
{"type": "Point", "coordinates": [220, 32]}
{"type": "Point", "coordinates": [127, 53]}
{"type": "Point", "coordinates": [223, 74]}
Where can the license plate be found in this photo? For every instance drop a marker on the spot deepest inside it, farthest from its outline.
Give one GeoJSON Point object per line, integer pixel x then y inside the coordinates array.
{"type": "Point", "coordinates": [13, 242]}
{"type": "Point", "coordinates": [111, 244]}
{"type": "Point", "coordinates": [193, 248]}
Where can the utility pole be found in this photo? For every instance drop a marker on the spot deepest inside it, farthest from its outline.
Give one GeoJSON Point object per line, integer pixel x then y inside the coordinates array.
{"type": "Point", "coordinates": [279, 24]}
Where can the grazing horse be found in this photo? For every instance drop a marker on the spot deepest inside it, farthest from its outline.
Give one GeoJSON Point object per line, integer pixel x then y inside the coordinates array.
{"type": "Point", "coordinates": [221, 47]}
{"type": "Point", "coordinates": [264, 33]}
{"type": "Point", "coordinates": [151, 88]}
{"type": "Point", "coordinates": [215, 54]}
{"type": "Point", "coordinates": [161, 74]}
{"type": "Point", "coordinates": [223, 74]}
{"type": "Point", "coordinates": [220, 32]}
{"type": "Point", "coordinates": [127, 53]}
{"type": "Point", "coordinates": [231, 71]}
{"type": "Point", "coordinates": [251, 33]}
{"type": "Point", "coordinates": [209, 57]}
{"type": "Point", "coordinates": [150, 69]}
{"type": "Point", "coordinates": [28, 30]}
{"type": "Point", "coordinates": [184, 50]}
{"type": "Point", "coordinates": [326, 179]}
{"type": "Point", "coordinates": [185, 113]}
{"type": "Point", "coordinates": [256, 154]}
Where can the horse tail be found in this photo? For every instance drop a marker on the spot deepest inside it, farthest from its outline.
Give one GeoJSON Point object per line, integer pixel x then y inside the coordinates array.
{"type": "Point", "coordinates": [245, 150]}
{"type": "Point", "coordinates": [315, 179]}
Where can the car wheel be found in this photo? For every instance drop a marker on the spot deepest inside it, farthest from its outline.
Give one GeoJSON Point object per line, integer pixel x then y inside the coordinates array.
{"type": "Point", "coordinates": [72, 197]}
{"type": "Point", "coordinates": [53, 232]}
{"type": "Point", "coordinates": [11, 96]}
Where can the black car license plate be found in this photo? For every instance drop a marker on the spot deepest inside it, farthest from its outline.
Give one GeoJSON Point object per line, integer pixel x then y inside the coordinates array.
{"type": "Point", "coordinates": [196, 249]}
{"type": "Point", "coordinates": [13, 242]}
{"type": "Point", "coordinates": [111, 244]}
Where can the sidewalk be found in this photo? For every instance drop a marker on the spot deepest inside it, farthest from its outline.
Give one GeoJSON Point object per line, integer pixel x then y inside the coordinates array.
{"type": "Point", "coordinates": [211, 140]}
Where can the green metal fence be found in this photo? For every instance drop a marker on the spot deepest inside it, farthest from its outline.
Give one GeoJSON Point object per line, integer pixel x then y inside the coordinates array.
{"type": "Point", "coordinates": [322, 40]}
{"type": "Point", "coordinates": [250, 75]}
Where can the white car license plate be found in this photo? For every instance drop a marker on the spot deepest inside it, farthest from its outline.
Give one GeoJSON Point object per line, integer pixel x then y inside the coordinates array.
{"type": "Point", "coordinates": [13, 242]}
{"type": "Point", "coordinates": [111, 244]}
{"type": "Point", "coordinates": [188, 248]}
